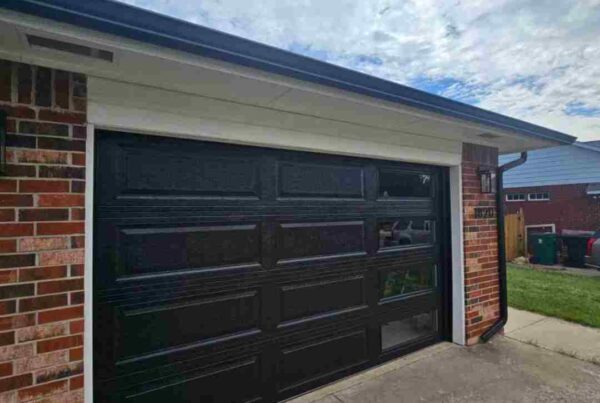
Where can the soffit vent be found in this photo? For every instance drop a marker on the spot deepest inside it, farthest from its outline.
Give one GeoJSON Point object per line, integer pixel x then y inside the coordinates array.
{"type": "Point", "coordinates": [489, 136]}
{"type": "Point", "coordinates": [73, 48]}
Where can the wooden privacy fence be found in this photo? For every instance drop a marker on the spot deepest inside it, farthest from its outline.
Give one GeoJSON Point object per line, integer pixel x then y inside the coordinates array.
{"type": "Point", "coordinates": [514, 235]}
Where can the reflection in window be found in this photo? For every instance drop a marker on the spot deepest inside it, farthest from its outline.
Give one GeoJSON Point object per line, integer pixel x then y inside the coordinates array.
{"type": "Point", "coordinates": [406, 231]}
{"type": "Point", "coordinates": [404, 184]}
{"type": "Point", "coordinates": [396, 332]}
{"type": "Point", "coordinates": [405, 281]}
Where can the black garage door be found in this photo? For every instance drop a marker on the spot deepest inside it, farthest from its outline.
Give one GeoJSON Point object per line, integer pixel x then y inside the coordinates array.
{"type": "Point", "coordinates": [227, 273]}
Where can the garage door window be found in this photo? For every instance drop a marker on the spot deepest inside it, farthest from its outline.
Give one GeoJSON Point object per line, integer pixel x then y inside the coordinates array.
{"type": "Point", "coordinates": [397, 332]}
{"type": "Point", "coordinates": [396, 184]}
{"type": "Point", "coordinates": [406, 281]}
{"type": "Point", "coordinates": [404, 232]}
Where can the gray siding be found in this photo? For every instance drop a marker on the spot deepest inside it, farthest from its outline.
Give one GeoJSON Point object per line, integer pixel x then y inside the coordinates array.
{"type": "Point", "coordinates": [562, 165]}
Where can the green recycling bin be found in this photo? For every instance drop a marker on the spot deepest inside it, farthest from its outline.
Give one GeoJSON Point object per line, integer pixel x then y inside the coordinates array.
{"type": "Point", "coordinates": [544, 247]}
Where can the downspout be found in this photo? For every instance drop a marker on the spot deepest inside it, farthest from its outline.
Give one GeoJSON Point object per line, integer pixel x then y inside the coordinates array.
{"type": "Point", "coordinates": [501, 248]}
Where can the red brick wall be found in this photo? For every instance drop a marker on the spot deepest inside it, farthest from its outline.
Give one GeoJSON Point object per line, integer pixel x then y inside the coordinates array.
{"type": "Point", "coordinates": [481, 245]}
{"type": "Point", "coordinates": [41, 234]}
{"type": "Point", "coordinates": [569, 207]}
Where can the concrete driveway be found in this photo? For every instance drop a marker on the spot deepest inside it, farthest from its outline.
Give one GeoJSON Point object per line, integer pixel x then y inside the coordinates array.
{"type": "Point", "coordinates": [504, 370]}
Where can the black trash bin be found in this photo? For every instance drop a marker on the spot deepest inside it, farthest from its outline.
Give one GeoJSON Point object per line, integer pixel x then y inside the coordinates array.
{"type": "Point", "coordinates": [576, 247]}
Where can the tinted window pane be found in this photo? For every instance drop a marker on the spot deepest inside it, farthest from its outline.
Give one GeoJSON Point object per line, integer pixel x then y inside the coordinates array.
{"type": "Point", "coordinates": [404, 184]}
{"type": "Point", "coordinates": [397, 332]}
{"type": "Point", "coordinates": [405, 281]}
{"type": "Point", "coordinates": [406, 232]}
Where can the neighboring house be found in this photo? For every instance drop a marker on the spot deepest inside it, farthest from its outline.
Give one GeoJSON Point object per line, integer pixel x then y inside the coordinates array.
{"type": "Point", "coordinates": [558, 188]}
{"type": "Point", "coordinates": [191, 216]}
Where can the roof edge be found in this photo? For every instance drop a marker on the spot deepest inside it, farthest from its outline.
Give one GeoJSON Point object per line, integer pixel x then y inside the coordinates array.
{"type": "Point", "coordinates": [123, 20]}
{"type": "Point", "coordinates": [586, 146]}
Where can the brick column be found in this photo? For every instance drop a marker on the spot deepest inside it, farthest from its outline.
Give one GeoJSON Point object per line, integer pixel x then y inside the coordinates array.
{"type": "Point", "coordinates": [41, 234]}
{"type": "Point", "coordinates": [482, 307]}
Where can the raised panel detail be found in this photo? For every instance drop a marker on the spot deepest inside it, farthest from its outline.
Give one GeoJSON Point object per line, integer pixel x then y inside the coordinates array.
{"type": "Point", "coordinates": [302, 300]}
{"type": "Point", "coordinates": [308, 180]}
{"type": "Point", "coordinates": [238, 382]}
{"type": "Point", "coordinates": [312, 361]}
{"type": "Point", "coordinates": [298, 240]}
{"type": "Point", "coordinates": [161, 249]}
{"type": "Point", "coordinates": [145, 330]}
{"type": "Point", "coordinates": [172, 174]}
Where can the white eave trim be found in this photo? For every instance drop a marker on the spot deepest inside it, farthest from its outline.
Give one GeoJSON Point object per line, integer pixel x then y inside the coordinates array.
{"type": "Point", "coordinates": [129, 107]}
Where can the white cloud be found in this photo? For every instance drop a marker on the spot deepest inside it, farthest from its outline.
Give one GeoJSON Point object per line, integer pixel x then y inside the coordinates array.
{"type": "Point", "coordinates": [537, 60]}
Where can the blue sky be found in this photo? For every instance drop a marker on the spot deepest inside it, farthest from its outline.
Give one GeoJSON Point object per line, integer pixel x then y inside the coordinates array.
{"type": "Point", "coordinates": [536, 60]}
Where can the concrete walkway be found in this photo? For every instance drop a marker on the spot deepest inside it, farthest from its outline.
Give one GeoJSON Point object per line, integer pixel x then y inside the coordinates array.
{"type": "Point", "coordinates": [503, 370]}
{"type": "Point", "coordinates": [583, 272]}
{"type": "Point", "coordinates": [554, 334]}
{"type": "Point", "coordinates": [565, 269]}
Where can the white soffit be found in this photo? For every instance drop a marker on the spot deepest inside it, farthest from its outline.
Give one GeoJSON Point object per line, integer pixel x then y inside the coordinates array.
{"type": "Point", "coordinates": [163, 68]}
{"type": "Point", "coordinates": [131, 107]}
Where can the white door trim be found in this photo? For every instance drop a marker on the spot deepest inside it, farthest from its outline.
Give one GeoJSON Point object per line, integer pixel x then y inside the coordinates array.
{"type": "Point", "coordinates": [88, 312]}
{"type": "Point", "coordinates": [457, 245]}
{"type": "Point", "coordinates": [456, 231]}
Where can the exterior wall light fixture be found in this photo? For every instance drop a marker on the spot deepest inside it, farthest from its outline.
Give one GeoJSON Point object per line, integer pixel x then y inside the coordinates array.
{"type": "Point", "coordinates": [487, 177]}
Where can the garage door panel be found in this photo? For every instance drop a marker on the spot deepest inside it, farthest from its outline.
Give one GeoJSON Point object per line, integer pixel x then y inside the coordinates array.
{"type": "Point", "coordinates": [186, 358]}
{"type": "Point", "coordinates": [176, 173]}
{"type": "Point", "coordinates": [158, 168]}
{"type": "Point", "coordinates": [307, 362]}
{"type": "Point", "coordinates": [148, 329]}
{"type": "Point", "coordinates": [322, 238]}
{"type": "Point", "coordinates": [130, 251]}
{"type": "Point", "coordinates": [305, 180]}
{"type": "Point", "coordinates": [236, 382]}
{"type": "Point", "coordinates": [325, 297]}
{"type": "Point", "coordinates": [161, 249]}
{"type": "Point", "coordinates": [233, 273]}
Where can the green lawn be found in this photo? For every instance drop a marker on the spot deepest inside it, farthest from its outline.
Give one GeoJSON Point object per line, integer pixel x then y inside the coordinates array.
{"type": "Point", "coordinates": [566, 296]}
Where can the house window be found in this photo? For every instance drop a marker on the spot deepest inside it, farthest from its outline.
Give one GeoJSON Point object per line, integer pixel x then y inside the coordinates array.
{"type": "Point", "coordinates": [515, 197]}
{"type": "Point", "coordinates": [539, 196]}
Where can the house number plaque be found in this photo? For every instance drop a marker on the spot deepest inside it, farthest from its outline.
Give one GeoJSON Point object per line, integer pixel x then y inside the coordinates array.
{"type": "Point", "coordinates": [485, 212]}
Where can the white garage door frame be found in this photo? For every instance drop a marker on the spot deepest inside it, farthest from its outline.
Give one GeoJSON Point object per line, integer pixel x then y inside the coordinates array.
{"type": "Point", "coordinates": [110, 117]}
